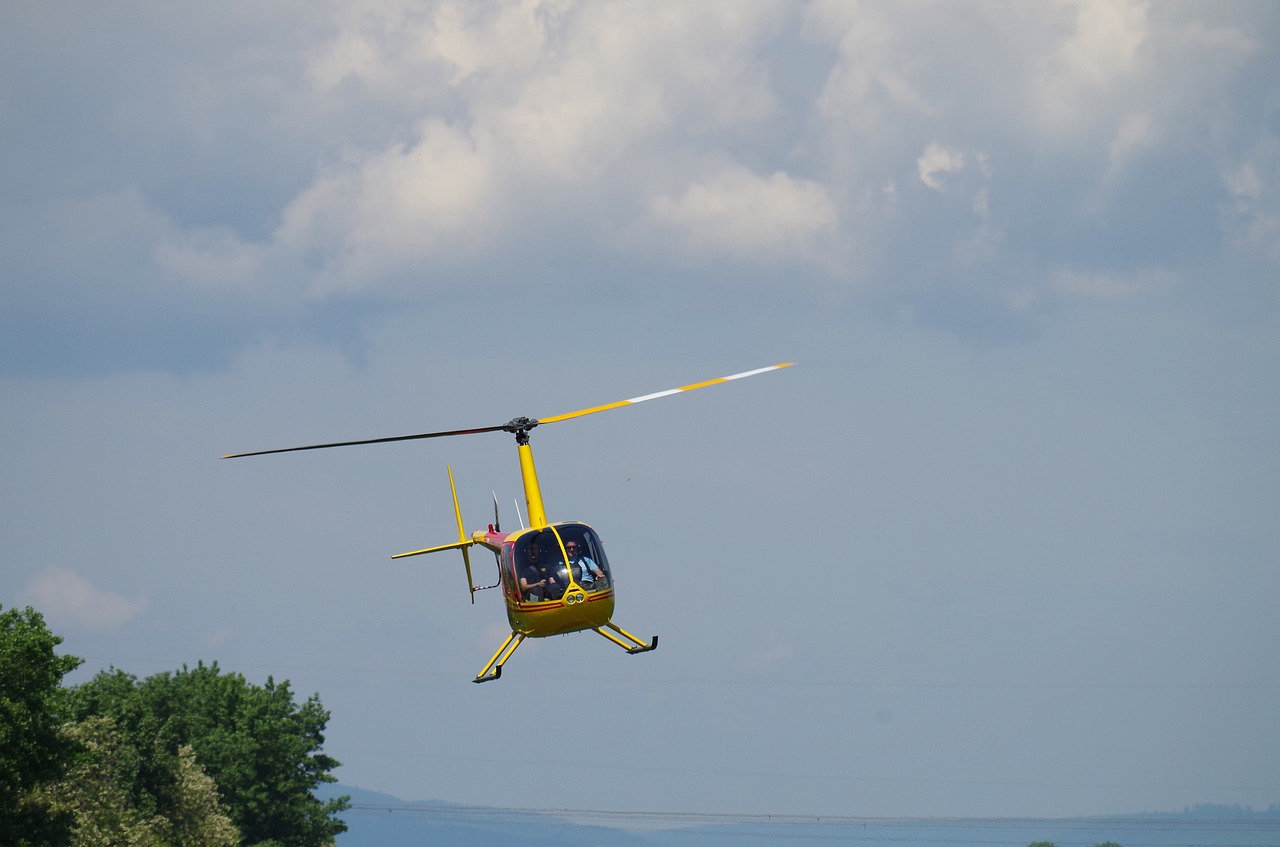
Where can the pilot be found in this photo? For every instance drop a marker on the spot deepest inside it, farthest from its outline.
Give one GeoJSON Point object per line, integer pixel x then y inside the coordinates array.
{"type": "Point", "coordinates": [585, 570]}
{"type": "Point", "coordinates": [536, 581]}
{"type": "Point", "coordinates": [532, 583]}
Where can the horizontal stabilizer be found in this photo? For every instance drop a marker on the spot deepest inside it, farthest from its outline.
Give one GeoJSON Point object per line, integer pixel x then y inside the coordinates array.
{"type": "Point", "coordinates": [457, 545]}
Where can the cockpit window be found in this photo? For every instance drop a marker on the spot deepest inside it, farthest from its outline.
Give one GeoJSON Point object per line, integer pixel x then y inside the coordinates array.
{"type": "Point", "coordinates": [548, 561]}
{"type": "Point", "coordinates": [535, 558]}
{"type": "Point", "coordinates": [586, 556]}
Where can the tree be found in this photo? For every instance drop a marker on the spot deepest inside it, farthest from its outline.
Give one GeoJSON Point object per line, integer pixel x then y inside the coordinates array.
{"type": "Point", "coordinates": [33, 752]}
{"type": "Point", "coordinates": [94, 790]}
{"type": "Point", "coordinates": [199, 818]}
{"type": "Point", "coordinates": [260, 748]}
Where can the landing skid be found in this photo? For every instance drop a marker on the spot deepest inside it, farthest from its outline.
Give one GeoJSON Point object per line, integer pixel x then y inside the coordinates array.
{"type": "Point", "coordinates": [631, 644]}
{"type": "Point", "coordinates": [493, 670]}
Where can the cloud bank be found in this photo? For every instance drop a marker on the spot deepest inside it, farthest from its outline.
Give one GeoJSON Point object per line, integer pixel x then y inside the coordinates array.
{"type": "Point", "coordinates": [377, 153]}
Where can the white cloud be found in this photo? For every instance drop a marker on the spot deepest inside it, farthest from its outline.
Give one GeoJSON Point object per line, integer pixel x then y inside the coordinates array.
{"type": "Point", "coordinates": [616, 76]}
{"type": "Point", "coordinates": [1105, 39]}
{"type": "Point", "coordinates": [1252, 218]}
{"type": "Point", "coordinates": [68, 599]}
{"type": "Point", "coordinates": [740, 213]}
{"type": "Point", "coordinates": [407, 202]}
{"type": "Point", "coordinates": [212, 257]}
{"type": "Point", "coordinates": [1136, 134]}
{"type": "Point", "coordinates": [1244, 183]}
{"type": "Point", "coordinates": [349, 55]}
{"type": "Point", "coordinates": [936, 160]}
{"type": "Point", "coordinates": [393, 48]}
{"type": "Point", "coordinates": [563, 87]}
{"type": "Point", "coordinates": [574, 122]}
{"type": "Point", "coordinates": [479, 38]}
{"type": "Point", "coordinates": [544, 100]}
{"type": "Point", "coordinates": [870, 86]}
{"type": "Point", "coordinates": [1089, 67]}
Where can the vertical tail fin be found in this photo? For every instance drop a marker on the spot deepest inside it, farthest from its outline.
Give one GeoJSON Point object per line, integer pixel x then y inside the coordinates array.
{"type": "Point", "coordinates": [462, 535]}
{"type": "Point", "coordinates": [461, 544]}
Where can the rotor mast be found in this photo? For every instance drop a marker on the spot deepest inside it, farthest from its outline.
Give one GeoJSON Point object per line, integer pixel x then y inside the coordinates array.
{"type": "Point", "coordinates": [528, 473]}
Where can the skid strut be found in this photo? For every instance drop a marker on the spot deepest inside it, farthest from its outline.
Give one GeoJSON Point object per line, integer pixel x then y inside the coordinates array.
{"type": "Point", "coordinates": [632, 644]}
{"type": "Point", "coordinates": [493, 670]}
{"type": "Point", "coordinates": [627, 642]}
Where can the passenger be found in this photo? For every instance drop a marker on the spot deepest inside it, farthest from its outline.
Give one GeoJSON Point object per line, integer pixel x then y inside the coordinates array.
{"type": "Point", "coordinates": [585, 570]}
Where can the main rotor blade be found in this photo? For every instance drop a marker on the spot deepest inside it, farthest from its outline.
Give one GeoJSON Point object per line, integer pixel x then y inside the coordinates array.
{"type": "Point", "coordinates": [658, 394]}
{"type": "Point", "coordinates": [370, 441]}
{"type": "Point", "coordinates": [519, 425]}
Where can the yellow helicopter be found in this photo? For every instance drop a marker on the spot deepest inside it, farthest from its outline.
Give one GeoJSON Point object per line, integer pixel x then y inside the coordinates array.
{"type": "Point", "coordinates": [554, 577]}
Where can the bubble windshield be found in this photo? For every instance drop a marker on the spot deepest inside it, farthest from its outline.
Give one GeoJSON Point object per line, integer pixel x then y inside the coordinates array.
{"type": "Point", "coordinates": [547, 562]}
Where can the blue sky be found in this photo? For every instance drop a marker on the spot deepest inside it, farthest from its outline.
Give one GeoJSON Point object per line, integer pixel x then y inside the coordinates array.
{"type": "Point", "coordinates": [1003, 543]}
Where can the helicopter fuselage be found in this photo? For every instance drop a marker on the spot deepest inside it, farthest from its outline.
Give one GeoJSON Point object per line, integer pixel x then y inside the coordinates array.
{"type": "Point", "coordinates": [555, 578]}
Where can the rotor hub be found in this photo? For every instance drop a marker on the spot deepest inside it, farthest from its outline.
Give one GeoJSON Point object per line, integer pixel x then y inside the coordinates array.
{"type": "Point", "coordinates": [520, 426]}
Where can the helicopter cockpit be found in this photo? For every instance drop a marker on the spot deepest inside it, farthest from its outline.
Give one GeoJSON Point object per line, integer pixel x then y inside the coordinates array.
{"type": "Point", "coordinates": [546, 562]}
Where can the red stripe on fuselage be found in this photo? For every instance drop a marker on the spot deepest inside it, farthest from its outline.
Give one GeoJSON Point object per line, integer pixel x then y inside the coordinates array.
{"type": "Point", "coordinates": [552, 605]}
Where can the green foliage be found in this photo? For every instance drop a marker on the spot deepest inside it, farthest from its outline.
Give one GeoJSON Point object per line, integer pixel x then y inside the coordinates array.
{"type": "Point", "coordinates": [195, 758]}
{"type": "Point", "coordinates": [93, 795]}
{"type": "Point", "coordinates": [198, 818]}
{"type": "Point", "coordinates": [257, 745]}
{"type": "Point", "coordinates": [32, 750]}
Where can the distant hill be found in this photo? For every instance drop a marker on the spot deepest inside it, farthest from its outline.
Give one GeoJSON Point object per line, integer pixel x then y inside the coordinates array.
{"type": "Point", "coordinates": [380, 820]}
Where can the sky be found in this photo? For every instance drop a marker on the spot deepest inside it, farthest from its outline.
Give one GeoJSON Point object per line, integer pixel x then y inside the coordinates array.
{"type": "Point", "coordinates": [1003, 543]}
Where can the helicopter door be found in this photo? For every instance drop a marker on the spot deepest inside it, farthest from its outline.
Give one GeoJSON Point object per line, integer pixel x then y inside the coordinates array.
{"type": "Point", "coordinates": [507, 572]}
